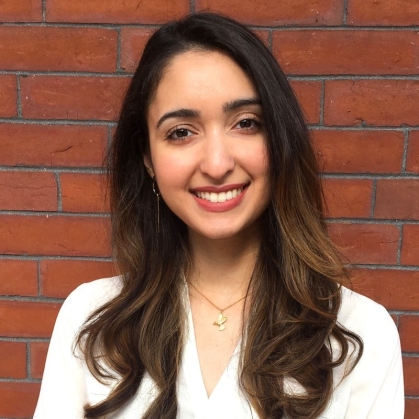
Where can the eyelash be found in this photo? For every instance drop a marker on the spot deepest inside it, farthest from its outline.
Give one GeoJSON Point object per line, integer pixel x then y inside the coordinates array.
{"type": "Point", "coordinates": [256, 127]}
{"type": "Point", "coordinates": [256, 121]}
{"type": "Point", "coordinates": [173, 130]}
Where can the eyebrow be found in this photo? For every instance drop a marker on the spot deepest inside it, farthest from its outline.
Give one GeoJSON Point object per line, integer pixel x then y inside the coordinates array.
{"type": "Point", "coordinates": [179, 113]}
{"type": "Point", "coordinates": [239, 103]}
{"type": "Point", "coordinates": [192, 113]}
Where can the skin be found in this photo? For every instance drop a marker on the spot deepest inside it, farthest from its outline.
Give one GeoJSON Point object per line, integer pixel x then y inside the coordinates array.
{"type": "Point", "coordinates": [218, 144]}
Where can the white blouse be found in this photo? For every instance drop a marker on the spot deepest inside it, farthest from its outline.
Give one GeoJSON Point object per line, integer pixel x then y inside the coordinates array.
{"type": "Point", "coordinates": [373, 390]}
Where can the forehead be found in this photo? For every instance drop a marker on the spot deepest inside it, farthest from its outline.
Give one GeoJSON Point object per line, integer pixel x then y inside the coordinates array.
{"type": "Point", "coordinates": [196, 78]}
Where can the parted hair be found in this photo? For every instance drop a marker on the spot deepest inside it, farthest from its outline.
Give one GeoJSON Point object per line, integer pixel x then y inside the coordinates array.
{"type": "Point", "coordinates": [295, 285]}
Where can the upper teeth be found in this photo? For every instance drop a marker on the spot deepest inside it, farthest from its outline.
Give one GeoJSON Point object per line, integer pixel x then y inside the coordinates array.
{"type": "Point", "coordinates": [219, 197]}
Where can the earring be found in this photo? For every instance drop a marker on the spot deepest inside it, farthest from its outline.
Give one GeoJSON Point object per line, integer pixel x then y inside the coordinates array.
{"type": "Point", "coordinates": [158, 205]}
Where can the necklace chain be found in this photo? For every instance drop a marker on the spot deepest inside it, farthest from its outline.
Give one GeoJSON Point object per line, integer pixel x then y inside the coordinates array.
{"type": "Point", "coordinates": [221, 318]}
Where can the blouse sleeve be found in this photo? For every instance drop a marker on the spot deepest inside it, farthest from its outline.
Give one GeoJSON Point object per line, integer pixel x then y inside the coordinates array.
{"type": "Point", "coordinates": [67, 384]}
{"type": "Point", "coordinates": [377, 384]}
{"type": "Point", "coordinates": [63, 386]}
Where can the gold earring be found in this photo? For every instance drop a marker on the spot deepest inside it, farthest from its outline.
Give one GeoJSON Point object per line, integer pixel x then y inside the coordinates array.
{"type": "Point", "coordinates": [158, 205]}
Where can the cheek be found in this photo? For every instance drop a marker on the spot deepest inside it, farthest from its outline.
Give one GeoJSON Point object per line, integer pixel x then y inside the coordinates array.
{"type": "Point", "coordinates": [256, 162]}
{"type": "Point", "coordinates": [173, 171]}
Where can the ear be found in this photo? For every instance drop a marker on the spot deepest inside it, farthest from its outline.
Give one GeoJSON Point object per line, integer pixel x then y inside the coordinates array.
{"type": "Point", "coordinates": [148, 165]}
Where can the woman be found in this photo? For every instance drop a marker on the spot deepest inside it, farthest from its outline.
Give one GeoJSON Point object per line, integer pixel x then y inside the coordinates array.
{"type": "Point", "coordinates": [231, 302]}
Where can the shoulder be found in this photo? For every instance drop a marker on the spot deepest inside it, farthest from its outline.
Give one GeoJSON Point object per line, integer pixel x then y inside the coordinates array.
{"type": "Point", "coordinates": [88, 297]}
{"type": "Point", "coordinates": [373, 324]}
{"type": "Point", "coordinates": [363, 315]}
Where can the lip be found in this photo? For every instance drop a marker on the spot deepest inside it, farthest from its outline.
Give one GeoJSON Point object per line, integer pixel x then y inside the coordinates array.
{"type": "Point", "coordinates": [220, 206]}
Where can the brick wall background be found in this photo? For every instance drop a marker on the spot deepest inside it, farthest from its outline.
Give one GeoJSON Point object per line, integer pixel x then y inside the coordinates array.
{"type": "Point", "coordinates": [64, 65]}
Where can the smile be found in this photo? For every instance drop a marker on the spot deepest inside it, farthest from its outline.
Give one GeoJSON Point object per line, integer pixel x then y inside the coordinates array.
{"type": "Point", "coordinates": [220, 196]}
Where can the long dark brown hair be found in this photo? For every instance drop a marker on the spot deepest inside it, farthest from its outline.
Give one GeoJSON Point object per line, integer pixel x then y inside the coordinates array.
{"type": "Point", "coordinates": [296, 281]}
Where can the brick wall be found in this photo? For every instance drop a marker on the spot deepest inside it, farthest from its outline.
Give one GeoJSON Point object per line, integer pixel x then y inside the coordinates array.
{"type": "Point", "coordinates": [64, 66]}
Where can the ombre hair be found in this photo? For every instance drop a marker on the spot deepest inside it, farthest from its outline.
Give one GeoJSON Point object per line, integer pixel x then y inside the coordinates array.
{"type": "Point", "coordinates": [295, 285]}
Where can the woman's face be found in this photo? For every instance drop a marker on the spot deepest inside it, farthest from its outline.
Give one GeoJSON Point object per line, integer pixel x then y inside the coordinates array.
{"type": "Point", "coordinates": [207, 145]}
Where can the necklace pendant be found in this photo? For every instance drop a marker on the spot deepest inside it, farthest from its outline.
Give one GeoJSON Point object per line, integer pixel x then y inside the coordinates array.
{"type": "Point", "coordinates": [220, 322]}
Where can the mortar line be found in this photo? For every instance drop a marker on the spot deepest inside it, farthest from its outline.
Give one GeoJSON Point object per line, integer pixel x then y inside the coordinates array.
{"type": "Point", "coordinates": [57, 257]}
{"type": "Point", "coordinates": [373, 197]}
{"type": "Point", "coordinates": [39, 274]}
{"type": "Point", "coordinates": [28, 361]}
{"type": "Point", "coordinates": [118, 51]}
{"type": "Point", "coordinates": [18, 97]}
{"type": "Point", "coordinates": [25, 339]}
{"type": "Point", "coordinates": [59, 193]}
{"type": "Point", "coordinates": [282, 27]}
{"type": "Point", "coordinates": [19, 380]}
{"type": "Point", "coordinates": [270, 40]}
{"type": "Point", "coordinates": [322, 95]}
{"type": "Point", "coordinates": [355, 175]}
{"type": "Point", "coordinates": [399, 245]}
{"type": "Point", "coordinates": [51, 214]}
{"type": "Point", "coordinates": [192, 6]}
{"type": "Point", "coordinates": [387, 267]}
{"type": "Point", "coordinates": [44, 11]}
{"type": "Point", "coordinates": [405, 150]}
{"type": "Point", "coordinates": [81, 122]}
{"type": "Point", "coordinates": [410, 354]}
{"type": "Point", "coordinates": [290, 76]}
{"type": "Point", "coordinates": [109, 141]}
{"type": "Point", "coordinates": [369, 221]}
{"type": "Point", "coordinates": [345, 12]}
{"type": "Point", "coordinates": [43, 299]}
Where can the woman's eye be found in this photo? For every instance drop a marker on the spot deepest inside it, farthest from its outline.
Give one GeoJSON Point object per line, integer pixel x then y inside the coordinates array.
{"type": "Point", "coordinates": [179, 133]}
{"type": "Point", "coordinates": [248, 124]}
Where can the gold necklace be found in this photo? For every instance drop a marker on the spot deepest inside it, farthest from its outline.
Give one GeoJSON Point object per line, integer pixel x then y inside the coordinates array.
{"type": "Point", "coordinates": [221, 318]}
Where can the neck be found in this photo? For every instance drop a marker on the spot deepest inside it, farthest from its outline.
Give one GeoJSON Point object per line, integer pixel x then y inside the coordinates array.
{"type": "Point", "coordinates": [223, 266]}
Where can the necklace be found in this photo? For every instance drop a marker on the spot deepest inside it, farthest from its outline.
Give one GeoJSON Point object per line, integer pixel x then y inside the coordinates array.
{"type": "Point", "coordinates": [221, 318]}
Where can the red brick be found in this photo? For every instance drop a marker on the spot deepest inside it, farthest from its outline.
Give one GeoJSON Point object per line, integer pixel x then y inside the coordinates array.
{"type": "Point", "coordinates": [62, 97]}
{"type": "Point", "coordinates": [18, 277]}
{"type": "Point", "coordinates": [273, 13]}
{"type": "Point", "coordinates": [374, 102]}
{"type": "Point", "coordinates": [133, 41]}
{"type": "Point", "coordinates": [38, 356]}
{"type": "Point", "coordinates": [412, 163]}
{"type": "Point", "coordinates": [115, 11]}
{"type": "Point", "coordinates": [8, 96]}
{"type": "Point", "coordinates": [409, 333]}
{"type": "Point", "coordinates": [394, 289]}
{"type": "Point", "coordinates": [344, 151]}
{"type": "Point", "coordinates": [18, 399]}
{"type": "Point", "coordinates": [49, 145]}
{"type": "Point", "coordinates": [60, 277]}
{"type": "Point", "coordinates": [63, 49]}
{"type": "Point", "coordinates": [411, 374]}
{"type": "Point", "coordinates": [410, 245]}
{"type": "Point", "coordinates": [13, 360]}
{"type": "Point", "coordinates": [366, 243]}
{"type": "Point", "coordinates": [308, 94]}
{"type": "Point", "coordinates": [348, 197]}
{"type": "Point", "coordinates": [54, 235]}
{"type": "Point", "coordinates": [84, 192]}
{"type": "Point", "coordinates": [397, 198]}
{"type": "Point", "coordinates": [411, 409]}
{"type": "Point", "coordinates": [24, 319]}
{"type": "Point", "coordinates": [383, 12]}
{"type": "Point", "coordinates": [354, 52]}
{"type": "Point", "coordinates": [21, 11]}
{"type": "Point", "coordinates": [28, 191]}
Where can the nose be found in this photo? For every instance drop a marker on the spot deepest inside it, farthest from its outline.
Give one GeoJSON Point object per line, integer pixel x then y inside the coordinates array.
{"type": "Point", "coordinates": [218, 157]}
